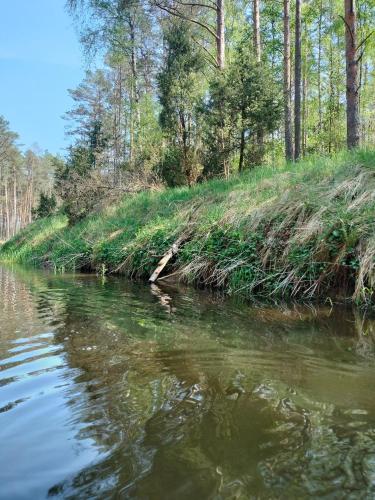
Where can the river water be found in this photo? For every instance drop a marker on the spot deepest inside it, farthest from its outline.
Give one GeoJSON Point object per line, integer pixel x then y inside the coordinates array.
{"type": "Point", "coordinates": [110, 389]}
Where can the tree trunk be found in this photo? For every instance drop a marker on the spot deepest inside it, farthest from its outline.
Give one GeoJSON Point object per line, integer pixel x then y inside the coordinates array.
{"type": "Point", "coordinates": [304, 112]}
{"type": "Point", "coordinates": [365, 77]}
{"type": "Point", "coordinates": [297, 83]}
{"type": "Point", "coordinates": [287, 84]}
{"type": "Point", "coordinates": [352, 76]}
{"type": "Point", "coordinates": [320, 111]}
{"type": "Point", "coordinates": [256, 30]}
{"type": "Point", "coordinates": [258, 57]}
{"type": "Point", "coordinates": [15, 205]}
{"type": "Point", "coordinates": [220, 34]}
{"type": "Point", "coordinates": [220, 56]}
{"type": "Point", "coordinates": [331, 98]}
{"type": "Point", "coordinates": [166, 258]}
{"type": "Point", "coordinates": [31, 197]}
{"type": "Point", "coordinates": [242, 150]}
{"type": "Point", "coordinates": [134, 94]}
{"type": "Point", "coordinates": [7, 210]}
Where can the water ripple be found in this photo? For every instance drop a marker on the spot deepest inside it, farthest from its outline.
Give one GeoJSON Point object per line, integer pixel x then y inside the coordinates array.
{"type": "Point", "coordinates": [106, 393]}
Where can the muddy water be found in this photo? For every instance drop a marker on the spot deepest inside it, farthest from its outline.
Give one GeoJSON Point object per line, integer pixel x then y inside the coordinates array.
{"type": "Point", "coordinates": [114, 390]}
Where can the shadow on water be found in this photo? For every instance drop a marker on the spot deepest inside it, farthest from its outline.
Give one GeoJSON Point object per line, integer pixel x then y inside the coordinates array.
{"type": "Point", "coordinates": [114, 389]}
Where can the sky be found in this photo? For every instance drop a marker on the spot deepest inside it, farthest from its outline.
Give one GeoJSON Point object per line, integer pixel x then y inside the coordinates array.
{"type": "Point", "coordinates": [40, 58]}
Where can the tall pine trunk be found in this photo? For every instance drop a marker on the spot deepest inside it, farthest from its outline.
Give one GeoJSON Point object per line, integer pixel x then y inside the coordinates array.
{"type": "Point", "coordinates": [297, 82]}
{"type": "Point", "coordinates": [258, 56]}
{"type": "Point", "coordinates": [287, 84]}
{"type": "Point", "coordinates": [256, 30]}
{"type": "Point", "coordinates": [242, 142]}
{"type": "Point", "coordinates": [7, 211]}
{"type": "Point", "coordinates": [15, 205]}
{"type": "Point", "coordinates": [220, 56]}
{"type": "Point", "coordinates": [304, 111]}
{"type": "Point", "coordinates": [352, 76]}
{"type": "Point", "coordinates": [320, 29]}
{"type": "Point", "coordinates": [220, 34]}
{"type": "Point", "coordinates": [134, 94]}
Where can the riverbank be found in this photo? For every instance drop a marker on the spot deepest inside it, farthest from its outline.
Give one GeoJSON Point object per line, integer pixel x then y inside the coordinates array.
{"type": "Point", "coordinates": [305, 230]}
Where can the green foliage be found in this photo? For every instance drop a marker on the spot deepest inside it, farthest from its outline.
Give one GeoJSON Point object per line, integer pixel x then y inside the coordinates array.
{"type": "Point", "coordinates": [171, 167]}
{"type": "Point", "coordinates": [180, 90]}
{"type": "Point", "coordinates": [78, 184]}
{"type": "Point", "coordinates": [150, 136]}
{"type": "Point", "coordinates": [161, 103]}
{"type": "Point", "coordinates": [303, 230]}
{"type": "Point", "coordinates": [240, 110]}
{"type": "Point", "coordinates": [256, 107]}
{"type": "Point", "coordinates": [23, 177]}
{"type": "Point", "coordinates": [46, 206]}
{"type": "Point", "coordinates": [33, 244]}
{"type": "Point", "coordinates": [218, 126]}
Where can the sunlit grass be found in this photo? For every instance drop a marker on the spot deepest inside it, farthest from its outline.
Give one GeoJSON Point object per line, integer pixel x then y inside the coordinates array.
{"type": "Point", "coordinates": [302, 229]}
{"type": "Point", "coordinates": [34, 242]}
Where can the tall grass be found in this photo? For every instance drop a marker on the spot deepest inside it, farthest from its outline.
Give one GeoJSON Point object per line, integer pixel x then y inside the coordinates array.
{"type": "Point", "coordinates": [304, 230]}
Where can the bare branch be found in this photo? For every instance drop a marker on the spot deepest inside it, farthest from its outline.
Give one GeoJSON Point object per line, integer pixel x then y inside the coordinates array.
{"type": "Point", "coordinates": [194, 4]}
{"type": "Point", "coordinates": [177, 13]}
{"type": "Point", "coordinates": [212, 59]}
{"type": "Point", "coordinates": [348, 28]}
{"type": "Point", "coordinates": [365, 40]}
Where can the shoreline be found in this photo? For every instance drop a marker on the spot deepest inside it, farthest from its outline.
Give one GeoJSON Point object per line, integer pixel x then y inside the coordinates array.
{"type": "Point", "coordinates": [302, 232]}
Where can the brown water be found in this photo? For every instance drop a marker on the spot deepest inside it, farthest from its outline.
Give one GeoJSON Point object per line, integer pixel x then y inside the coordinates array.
{"type": "Point", "coordinates": [114, 390]}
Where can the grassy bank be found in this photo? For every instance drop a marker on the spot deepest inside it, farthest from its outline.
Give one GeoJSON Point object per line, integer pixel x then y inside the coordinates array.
{"type": "Point", "coordinates": [305, 230]}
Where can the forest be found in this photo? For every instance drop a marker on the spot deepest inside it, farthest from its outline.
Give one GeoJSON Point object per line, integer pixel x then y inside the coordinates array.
{"type": "Point", "coordinates": [238, 135]}
{"type": "Point", "coordinates": [178, 92]}
{"type": "Point", "coordinates": [187, 292]}
{"type": "Point", "coordinates": [25, 177]}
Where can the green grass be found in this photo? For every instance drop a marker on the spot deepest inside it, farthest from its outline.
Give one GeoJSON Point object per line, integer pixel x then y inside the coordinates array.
{"type": "Point", "coordinates": [304, 230]}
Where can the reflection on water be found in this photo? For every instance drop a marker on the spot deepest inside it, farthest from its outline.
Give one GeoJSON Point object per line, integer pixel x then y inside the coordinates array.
{"type": "Point", "coordinates": [111, 389]}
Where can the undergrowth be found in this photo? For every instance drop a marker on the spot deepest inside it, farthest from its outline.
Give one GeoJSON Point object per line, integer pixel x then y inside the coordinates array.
{"type": "Point", "coordinates": [304, 230]}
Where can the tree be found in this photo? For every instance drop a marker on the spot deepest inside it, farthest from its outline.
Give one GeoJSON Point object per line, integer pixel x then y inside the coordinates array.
{"type": "Point", "coordinates": [46, 206]}
{"type": "Point", "coordinates": [352, 75]}
{"type": "Point", "coordinates": [79, 185]}
{"type": "Point", "coordinates": [125, 30]}
{"type": "Point", "coordinates": [217, 118]}
{"type": "Point", "coordinates": [287, 85]}
{"type": "Point", "coordinates": [196, 12]}
{"type": "Point", "coordinates": [256, 31]}
{"type": "Point", "coordinates": [254, 106]}
{"type": "Point", "coordinates": [258, 57]}
{"type": "Point", "coordinates": [88, 120]}
{"type": "Point", "coordinates": [220, 33]}
{"type": "Point", "coordinates": [179, 94]}
{"type": "Point", "coordinates": [298, 82]}
{"type": "Point", "coordinates": [9, 167]}
{"type": "Point", "coordinates": [240, 105]}
{"type": "Point", "coordinates": [23, 176]}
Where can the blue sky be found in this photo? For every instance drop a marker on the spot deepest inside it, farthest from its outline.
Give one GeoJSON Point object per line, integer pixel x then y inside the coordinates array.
{"type": "Point", "coordinates": [40, 58]}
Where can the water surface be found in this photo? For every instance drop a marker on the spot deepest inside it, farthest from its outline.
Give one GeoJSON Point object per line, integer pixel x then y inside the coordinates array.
{"type": "Point", "coordinates": [116, 390]}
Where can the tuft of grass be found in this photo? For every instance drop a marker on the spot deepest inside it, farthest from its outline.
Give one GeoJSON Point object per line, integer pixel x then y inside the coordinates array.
{"type": "Point", "coordinates": [33, 244]}
{"type": "Point", "coordinates": [303, 230]}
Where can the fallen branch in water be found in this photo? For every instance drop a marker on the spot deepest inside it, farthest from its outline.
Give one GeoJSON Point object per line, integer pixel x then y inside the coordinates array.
{"type": "Point", "coordinates": [166, 258]}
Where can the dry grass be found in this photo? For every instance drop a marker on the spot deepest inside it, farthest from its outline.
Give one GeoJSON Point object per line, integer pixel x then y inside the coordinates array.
{"type": "Point", "coordinates": [312, 240]}
{"type": "Point", "coordinates": [305, 230]}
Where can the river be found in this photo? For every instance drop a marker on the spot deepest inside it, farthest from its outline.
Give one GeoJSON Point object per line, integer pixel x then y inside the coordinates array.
{"type": "Point", "coordinates": [110, 389]}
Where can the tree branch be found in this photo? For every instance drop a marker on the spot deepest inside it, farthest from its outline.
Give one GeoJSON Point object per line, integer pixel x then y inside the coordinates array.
{"type": "Point", "coordinates": [348, 28]}
{"type": "Point", "coordinates": [176, 13]}
{"type": "Point", "coordinates": [213, 59]}
{"type": "Point", "coordinates": [193, 4]}
{"type": "Point", "coordinates": [365, 40]}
